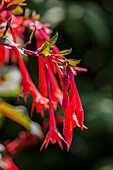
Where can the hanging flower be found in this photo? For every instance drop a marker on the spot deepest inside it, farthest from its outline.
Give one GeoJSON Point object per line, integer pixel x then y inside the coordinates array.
{"type": "Point", "coordinates": [53, 135]}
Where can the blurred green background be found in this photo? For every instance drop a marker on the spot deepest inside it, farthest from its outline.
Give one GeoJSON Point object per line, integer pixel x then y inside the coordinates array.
{"type": "Point", "coordinates": [87, 27]}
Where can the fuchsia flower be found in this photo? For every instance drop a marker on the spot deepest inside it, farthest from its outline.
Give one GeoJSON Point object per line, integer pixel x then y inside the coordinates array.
{"type": "Point", "coordinates": [79, 112]}
{"type": "Point", "coordinates": [28, 86]}
{"type": "Point", "coordinates": [42, 78]}
{"type": "Point", "coordinates": [2, 56]}
{"type": "Point", "coordinates": [53, 135]}
{"type": "Point", "coordinates": [57, 94]}
{"type": "Point", "coordinates": [17, 25]}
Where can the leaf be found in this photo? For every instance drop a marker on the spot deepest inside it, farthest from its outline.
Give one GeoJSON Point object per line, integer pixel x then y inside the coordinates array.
{"type": "Point", "coordinates": [53, 39]}
{"type": "Point", "coordinates": [15, 2]}
{"type": "Point", "coordinates": [19, 117]}
{"type": "Point", "coordinates": [64, 52]}
{"type": "Point", "coordinates": [11, 5]}
{"type": "Point", "coordinates": [36, 17]}
{"type": "Point", "coordinates": [66, 63]}
{"type": "Point", "coordinates": [63, 58]}
{"type": "Point", "coordinates": [44, 49]}
{"type": "Point", "coordinates": [7, 26]}
{"type": "Point", "coordinates": [72, 62]}
{"type": "Point", "coordinates": [13, 114]}
{"type": "Point", "coordinates": [27, 13]}
{"type": "Point", "coordinates": [32, 34]}
{"type": "Point", "coordinates": [17, 11]}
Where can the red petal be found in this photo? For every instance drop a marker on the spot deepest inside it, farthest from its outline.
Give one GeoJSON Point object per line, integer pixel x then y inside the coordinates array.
{"type": "Point", "coordinates": [2, 56]}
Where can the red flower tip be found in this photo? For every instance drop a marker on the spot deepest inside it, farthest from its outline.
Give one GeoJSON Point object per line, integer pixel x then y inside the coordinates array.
{"type": "Point", "coordinates": [75, 122]}
{"type": "Point", "coordinates": [40, 103]}
{"type": "Point", "coordinates": [2, 56]}
{"type": "Point", "coordinates": [53, 135]}
{"type": "Point", "coordinates": [68, 133]}
{"type": "Point", "coordinates": [80, 117]}
{"type": "Point", "coordinates": [80, 69]}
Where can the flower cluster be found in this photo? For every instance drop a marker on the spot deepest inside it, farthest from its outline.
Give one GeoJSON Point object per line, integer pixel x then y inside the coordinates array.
{"type": "Point", "coordinates": [51, 61]}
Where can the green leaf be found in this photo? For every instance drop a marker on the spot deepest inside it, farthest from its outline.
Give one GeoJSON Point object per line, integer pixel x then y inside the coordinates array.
{"type": "Point", "coordinates": [53, 39]}
{"type": "Point", "coordinates": [64, 52]}
{"type": "Point", "coordinates": [44, 49]}
{"type": "Point", "coordinates": [36, 17]}
{"type": "Point", "coordinates": [31, 36]}
{"type": "Point", "coordinates": [15, 115]}
{"type": "Point", "coordinates": [7, 26]}
{"type": "Point", "coordinates": [27, 13]}
{"type": "Point", "coordinates": [18, 116]}
{"type": "Point", "coordinates": [15, 2]}
{"type": "Point", "coordinates": [72, 62]}
{"type": "Point", "coordinates": [63, 58]}
{"type": "Point", "coordinates": [17, 11]}
{"type": "Point", "coordinates": [66, 63]}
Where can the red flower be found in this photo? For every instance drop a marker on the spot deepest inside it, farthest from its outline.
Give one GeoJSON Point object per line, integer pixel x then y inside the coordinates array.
{"type": "Point", "coordinates": [75, 122]}
{"type": "Point", "coordinates": [79, 112]}
{"type": "Point", "coordinates": [42, 79]}
{"type": "Point", "coordinates": [53, 135]}
{"type": "Point", "coordinates": [68, 130]}
{"type": "Point", "coordinates": [28, 86]}
{"type": "Point", "coordinates": [57, 94]}
{"type": "Point", "coordinates": [8, 164]}
{"type": "Point", "coordinates": [2, 56]}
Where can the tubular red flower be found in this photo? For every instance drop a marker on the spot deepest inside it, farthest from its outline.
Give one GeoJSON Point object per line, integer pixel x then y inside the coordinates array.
{"type": "Point", "coordinates": [2, 56]}
{"type": "Point", "coordinates": [79, 112]}
{"type": "Point", "coordinates": [53, 135]}
{"type": "Point", "coordinates": [68, 130]}
{"type": "Point", "coordinates": [57, 94]}
{"type": "Point", "coordinates": [28, 85]}
{"type": "Point", "coordinates": [65, 83]}
{"type": "Point", "coordinates": [42, 79]}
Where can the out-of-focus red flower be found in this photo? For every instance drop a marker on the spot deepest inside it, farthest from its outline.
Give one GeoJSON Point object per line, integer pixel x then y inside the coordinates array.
{"type": "Point", "coordinates": [8, 164]}
{"type": "Point", "coordinates": [2, 56]}
{"type": "Point", "coordinates": [9, 5]}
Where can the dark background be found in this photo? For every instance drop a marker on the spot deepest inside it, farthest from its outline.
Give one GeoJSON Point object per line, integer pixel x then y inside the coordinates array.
{"type": "Point", "coordinates": [87, 27]}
